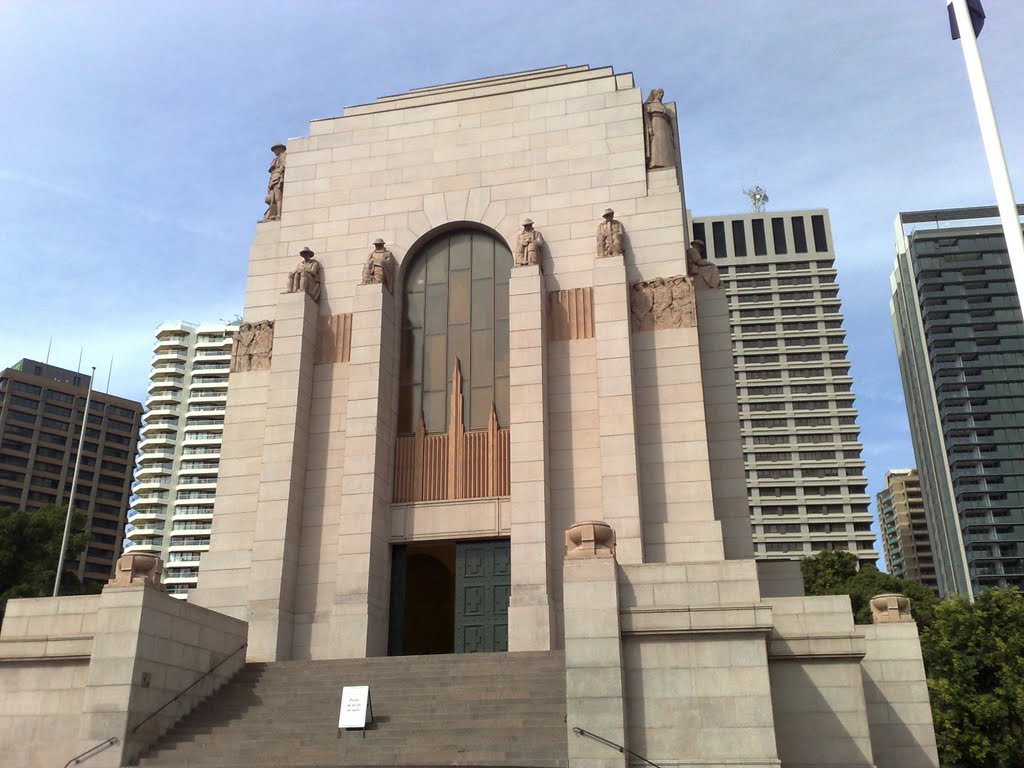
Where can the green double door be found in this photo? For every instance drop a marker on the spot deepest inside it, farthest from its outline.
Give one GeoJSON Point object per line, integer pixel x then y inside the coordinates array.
{"type": "Point", "coordinates": [450, 597]}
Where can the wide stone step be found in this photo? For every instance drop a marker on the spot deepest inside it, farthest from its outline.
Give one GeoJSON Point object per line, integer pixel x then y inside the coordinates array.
{"type": "Point", "coordinates": [484, 710]}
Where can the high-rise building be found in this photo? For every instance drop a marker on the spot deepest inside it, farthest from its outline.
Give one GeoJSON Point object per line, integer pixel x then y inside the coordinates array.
{"type": "Point", "coordinates": [171, 512]}
{"type": "Point", "coordinates": [41, 410]}
{"type": "Point", "coordinates": [960, 341]}
{"type": "Point", "coordinates": [801, 443]}
{"type": "Point", "coordinates": [905, 540]}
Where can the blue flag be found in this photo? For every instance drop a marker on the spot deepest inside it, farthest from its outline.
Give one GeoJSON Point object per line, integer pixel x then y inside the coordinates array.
{"type": "Point", "coordinates": [977, 18]}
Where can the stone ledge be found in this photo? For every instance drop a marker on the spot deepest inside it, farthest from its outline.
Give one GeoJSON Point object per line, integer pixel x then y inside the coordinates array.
{"type": "Point", "coordinates": [693, 620]}
{"type": "Point", "coordinates": [48, 648]}
{"type": "Point", "coordinates": [848, 646]}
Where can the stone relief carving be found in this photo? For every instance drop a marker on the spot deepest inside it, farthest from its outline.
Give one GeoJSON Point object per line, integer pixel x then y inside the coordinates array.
{"type": "Point", "coordinates": [610, 236]}
{"type": "Point", "coordinates": [662, 303]}
{"type": "Point", "coordinates": [890, 609]}
{"type": "Point", "coordinates": [703, 272]}
{"type": "Point", "coordinates": [306, 276]}
{"type": "Point", "coordinates": [589, 539]}
{"type": "Point", "coordinates": [380, 266]}
{"type": "Point", "coordinates": [658, 134]}
{"type": "Point", "coordinates": [253, 347]}
{"type": "Point", "coordinates": [275, 186]}
{"type": "Point", "coordinates": [528, 245]}
{"type": "Point", "coordinates": [134, 568]}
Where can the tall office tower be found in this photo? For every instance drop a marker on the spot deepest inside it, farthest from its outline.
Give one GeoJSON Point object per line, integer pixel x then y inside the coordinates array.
{"type": "Point", "coordinates": [801, 443]}
{"type": "Point", "coordinates": [905, 540]}
{"type": "Point", "coordinates": [960, 341]}
{"type": "Point", "coordinates": [176, 470]}
{"type": "Point", "coordinates": [41, 409]}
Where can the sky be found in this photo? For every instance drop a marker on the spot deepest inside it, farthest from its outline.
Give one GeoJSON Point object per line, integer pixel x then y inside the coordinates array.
{"type": "Point", "coordinates": [136, 140]}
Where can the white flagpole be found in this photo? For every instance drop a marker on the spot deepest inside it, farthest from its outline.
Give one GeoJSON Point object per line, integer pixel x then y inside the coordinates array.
{"type": "Point", "coordinates": [74, 484]}
{"type": "Point", "coordinates": [993, 146]}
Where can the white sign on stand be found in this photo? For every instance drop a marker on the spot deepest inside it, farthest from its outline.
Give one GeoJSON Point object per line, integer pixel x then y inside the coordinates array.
{"type": "Point", "coordinates": [356, 710]}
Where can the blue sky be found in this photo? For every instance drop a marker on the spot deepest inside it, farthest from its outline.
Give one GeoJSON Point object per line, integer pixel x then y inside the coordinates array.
{"type": "Point", "coordinates": [136, 139]}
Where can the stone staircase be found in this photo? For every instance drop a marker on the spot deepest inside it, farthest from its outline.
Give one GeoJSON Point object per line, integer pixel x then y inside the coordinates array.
{"type": "Point", "coordinates": [485, 709]}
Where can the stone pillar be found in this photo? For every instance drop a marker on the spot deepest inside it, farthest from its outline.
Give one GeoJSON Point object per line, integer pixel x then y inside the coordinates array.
{"type": "Point", "coordinates": [620, 487]}
{"type": "Point", "coordinates": [359, 620]}
{"type": "Point", "coordinates": [275, 544]}
{"type": "Point", "coordinates": [595, 698]}
{"type": "Point", "coordinates": [529, 614]}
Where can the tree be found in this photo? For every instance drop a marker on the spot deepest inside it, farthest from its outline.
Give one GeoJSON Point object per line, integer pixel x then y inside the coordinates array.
{"type": "Point", "coordinates": [29, 549]}
{"type": "Point", "coordinates": [974, 654]}
{"type": "Point", "coordinates": [840, 573]}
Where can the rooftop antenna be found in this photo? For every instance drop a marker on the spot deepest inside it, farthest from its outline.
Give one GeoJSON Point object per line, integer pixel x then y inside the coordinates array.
{"type": "Point", "coordinates": [758, 197]}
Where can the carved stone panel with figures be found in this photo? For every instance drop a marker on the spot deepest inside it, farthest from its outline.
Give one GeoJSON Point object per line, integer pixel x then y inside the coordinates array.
{"type": "Point", "coordinates": [662, 303]}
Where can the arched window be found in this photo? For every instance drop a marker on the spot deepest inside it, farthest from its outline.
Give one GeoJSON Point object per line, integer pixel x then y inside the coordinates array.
{"type": "Point", "coordinates": [455, 307]}
{"type": "Point", "coordinates": [453, 407]}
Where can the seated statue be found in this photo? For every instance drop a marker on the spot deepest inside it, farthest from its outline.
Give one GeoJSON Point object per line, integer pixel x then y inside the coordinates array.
{"type": "Point", "coordinates": [306, 276]}
{"type": "Point", "coordinates": [699, 268]}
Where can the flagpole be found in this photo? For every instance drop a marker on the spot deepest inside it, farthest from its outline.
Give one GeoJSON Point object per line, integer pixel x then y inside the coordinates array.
{"type": "Point", "coordinates": [74, 484]}
{"type": "Point", "coordinates": [993, 146]}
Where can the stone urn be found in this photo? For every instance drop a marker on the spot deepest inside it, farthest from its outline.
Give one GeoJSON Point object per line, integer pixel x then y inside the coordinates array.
{"type": "Point", "coordinates": [890, 608]}
{"type": "Point", "coordinates": [592, 538]}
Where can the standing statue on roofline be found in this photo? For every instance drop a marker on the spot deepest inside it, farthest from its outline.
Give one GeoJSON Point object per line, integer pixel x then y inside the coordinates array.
{"type": "Point", "coordinates": [658, 133]}
{"type": "Point", "coordinates": [275, 186]}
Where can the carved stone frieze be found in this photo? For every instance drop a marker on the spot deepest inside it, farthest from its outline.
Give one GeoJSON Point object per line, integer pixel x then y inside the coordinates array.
{"type": "Point", "coordinates": [663, 303]}
{"type": "Point", "coordinates": [253, 347]}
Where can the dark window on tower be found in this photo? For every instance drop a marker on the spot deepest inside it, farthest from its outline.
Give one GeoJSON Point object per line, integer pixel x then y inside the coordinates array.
{"type": "Point", "coordinates": [760, 244]}
{"type": "Point", "coordinates": [818, 228]}
{"type": "Point", "coordinates": [799, 235]}
{"type": "Point", "coordinates": [718, 232]}
{"type": "Point", "coordinates": [779, 235]}
{"type": "Point", "coordinates": [698, 232]}
{"type": "Point", "coordinates": [739, 239]}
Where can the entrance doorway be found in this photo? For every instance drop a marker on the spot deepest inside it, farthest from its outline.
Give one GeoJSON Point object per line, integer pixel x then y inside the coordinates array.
{"type": "Point", "coordinates": [449, 597]}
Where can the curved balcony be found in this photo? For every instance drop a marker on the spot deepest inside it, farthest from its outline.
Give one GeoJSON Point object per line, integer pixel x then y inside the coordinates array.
{"type": "Point", "coordinates": [206, 396]}
{"type": "Point", "coordinates": [150, 499]}
{"type": "Point", "coordinates": [192, 512]}
{"type": "Point", "coordinates": [166, 387]}
{"type": "Point", "coordinates": [154, 455]}
{"type": "Point", "coordinates": [206, 381]}
{"type": "Point", "coordinates": [202, 451]}
{"type": "Point", "coordinates": [146, 529]}
{"type": "Point", "coordinates": [158, 429]}
{"type": "Point", "coordinates": [149, 444]}
{"type": "Point", "coordinates": [138, 516]}
{"type": "Point", "coordinates": [152, 468]}
{"type": "Point", "coordinates": [184, 576]}
{"type": "Point", "coordinates": [146, 545]}
{"type": "Point", "coordinates": [149, 483]}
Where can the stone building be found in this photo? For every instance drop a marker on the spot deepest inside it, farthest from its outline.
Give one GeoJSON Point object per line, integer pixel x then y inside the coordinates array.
{"type": "Point", "coordinates": [482, 415]}
{"type": "Point", "coordinates": [904, 528]}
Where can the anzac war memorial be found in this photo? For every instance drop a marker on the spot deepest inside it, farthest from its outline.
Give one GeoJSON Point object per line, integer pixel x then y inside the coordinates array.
{"type": "Point", "coordinates": [482, 457]}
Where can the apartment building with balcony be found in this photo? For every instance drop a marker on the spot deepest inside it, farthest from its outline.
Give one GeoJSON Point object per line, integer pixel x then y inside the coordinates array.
{"type": "Point", "coordinates": [904, 530]}
{"type": "Point", "coordinates": [801, 442]}
{"type": "Point", "coordinates": [171, 511]}
{"type": "Point", "coordinates": [959, 335]}
{"type": "Point", "coordinates": [42, 409]}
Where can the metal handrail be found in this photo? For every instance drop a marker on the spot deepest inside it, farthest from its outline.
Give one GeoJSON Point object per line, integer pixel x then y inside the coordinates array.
{"type": "Point", "coordinates": [197, 680]}
{"type": "Point", "coordinates": [78, 758]}
{"type": "Point", "coordinates": [621, 749]}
